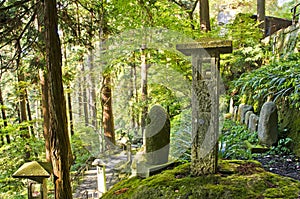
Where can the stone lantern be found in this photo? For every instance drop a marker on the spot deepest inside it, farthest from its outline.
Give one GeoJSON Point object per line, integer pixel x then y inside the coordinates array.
{"type": "Point", "coordinates": [37, 172]}
{"type": "Point", "coordinates": [205, 101]}
{"type": "Point", "coordinates": [101, 176]}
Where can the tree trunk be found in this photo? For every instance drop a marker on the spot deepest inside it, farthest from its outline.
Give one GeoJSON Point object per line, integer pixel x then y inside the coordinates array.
{"type": "Point", "coordinates": [84, 98]}
{"type": "Point", "coordinates": [45, 111]}
{"type": "Point", "coordinates": [4, 117]}
{"type": "Point", "coordinates": [61, 155]}
{"type": "Point", "coordinates": [204, 15]}
{"type": "Point", "coordinates": [93, 102]}
{"type": "Point", "coordinates": [134, 99]}
{"type": "Point", "coordinates": [44, 90]}
{"type": "Point", "coordinates": [69, 108]}
{"type": "Point", "coordinates": [108, 119]}
{"type": "Point", "coordinates": [144, 94]}
{"type": "Point", "coordinates": [79, 98]}
{"type": "Point", "coordinates": [261, 14]}
{"type": "Point", "coordinates": [22, 91]}
{"type": "Point", "coordinates": [70, 111]}
{"type": "Point", "coordinates": [29, 113]}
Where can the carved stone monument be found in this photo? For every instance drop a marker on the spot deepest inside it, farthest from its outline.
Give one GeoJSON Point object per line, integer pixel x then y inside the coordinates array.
{"type": "Point", "coordinates": [205, 102]}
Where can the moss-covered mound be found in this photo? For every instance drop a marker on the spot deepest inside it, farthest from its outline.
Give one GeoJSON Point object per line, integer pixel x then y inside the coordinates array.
{"type": "Point", "coordinates": [235, 179]}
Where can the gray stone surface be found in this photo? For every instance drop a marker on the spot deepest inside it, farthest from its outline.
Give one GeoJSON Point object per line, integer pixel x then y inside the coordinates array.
{"type": "Point", "coordinates": [235, 113]}
{"type": "Point", "coordinates": [268, 124]}
{"type": "Point", "coordinates": [238, 118]}
{"type": "Point", "coordinates": [157, 136]}
{"type": "Point", "coordinates": [247, 117]}
{"type": "Point", "coordinates": [243, 109]}
{"type": "Point", "coordinates": [231, 106]}
{"type": "Point", "coordinates": [253, 122]}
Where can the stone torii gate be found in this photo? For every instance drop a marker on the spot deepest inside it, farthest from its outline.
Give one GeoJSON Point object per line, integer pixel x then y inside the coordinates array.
{"type": "Point", "coordinates": [205, 102]}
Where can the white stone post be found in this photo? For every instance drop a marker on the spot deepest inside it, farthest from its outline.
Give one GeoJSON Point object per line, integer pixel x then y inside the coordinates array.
{"type": "Point", "coordinates": [101, 176]}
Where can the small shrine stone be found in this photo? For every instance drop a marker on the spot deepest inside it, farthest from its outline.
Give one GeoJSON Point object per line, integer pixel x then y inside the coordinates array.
{"type": "Point", "coordinates": [268, 124]}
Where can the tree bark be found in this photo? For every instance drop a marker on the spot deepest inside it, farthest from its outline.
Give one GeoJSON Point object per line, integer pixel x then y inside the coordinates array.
{"type": "Point", "coordinates": [261, 14]}
{"type": "Point", "coordinates": [144, 94]}
{"type": "Point", "coordinates": [133, 99]}
{"type": "Point", "coordinates": [93, 102]}
{"type": "Point", "coordinates": [61, 155]}
{"type": "Point", "coordinates": [22, 91]}
{"type": "Point", "coordinates": [29, 113]}
{"type": "Point", "coordinates": [70, 112]}
{"type": "Point", "coordinates": [79, 98]}
{"type": "Point", "coordinates": [108, 119]}
{"type": "Point", "coordinates": [4, 117]}
{"type": "Point", "coordinates": [84, 98]}
{"type": "Point", "coordinates": [204, 15]}
{"type": "Point", "coordinates": [45, 111]}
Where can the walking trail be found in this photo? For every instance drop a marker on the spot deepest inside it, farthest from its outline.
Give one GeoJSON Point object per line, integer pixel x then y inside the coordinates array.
{"type": "Point", "coordinates": [87, 187]}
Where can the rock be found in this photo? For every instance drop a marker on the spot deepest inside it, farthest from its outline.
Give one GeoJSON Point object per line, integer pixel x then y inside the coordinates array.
{"type": "Point", "coordinates": [253, 122]}
{"type": "Point", "coordinates": [235, 113]}
{"type": "Point", "coordinates": [247, 117]}
{"type": "Point", "coordinates": [243, 108]}
{"type": "Point", "coordinates": [268, 124]}
{"type": "Point", "coordinates": [231, 106]}
{"type": "Point", "coordinates": [157, 136]}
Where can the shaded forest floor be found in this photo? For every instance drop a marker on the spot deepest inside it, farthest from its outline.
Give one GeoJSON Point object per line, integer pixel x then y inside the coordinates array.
{"type": "Point", "coordinates": [288, 165]}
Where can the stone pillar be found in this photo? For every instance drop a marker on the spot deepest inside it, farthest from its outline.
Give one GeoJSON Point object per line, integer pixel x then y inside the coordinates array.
{"type": "Point", "coordinates": [205, 108]}
{"type": "Point", "coordinates": [205, 102]}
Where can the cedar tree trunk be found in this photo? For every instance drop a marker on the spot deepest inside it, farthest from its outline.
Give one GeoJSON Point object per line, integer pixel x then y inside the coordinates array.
{"type": "Point", "coordinates": [61, 155]}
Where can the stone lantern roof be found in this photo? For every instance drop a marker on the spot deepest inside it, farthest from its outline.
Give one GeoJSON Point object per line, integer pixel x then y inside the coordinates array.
{"type": "Point", "coordinates": [34, 170]}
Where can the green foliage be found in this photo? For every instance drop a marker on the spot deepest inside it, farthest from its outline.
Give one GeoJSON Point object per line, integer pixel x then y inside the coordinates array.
{"type": "Point", "coordinates": [283, 147]}
{"type": "Point", "coordinates": [278, 80]}
{"type": "Point", "coordinates": [80, 152]}
{"type": "Point", "coordinates": [248, 53]}
{"type": "Point", "coordinates": [12, 157]}
{"type": "Point", "coordinates": [283, 11]}
{"type": "Point", "coordinates": [232, 141]}
{"type": "Point", "coordinates": [86, 142]}
{"type": "Point", "coordinates": [181, 136]}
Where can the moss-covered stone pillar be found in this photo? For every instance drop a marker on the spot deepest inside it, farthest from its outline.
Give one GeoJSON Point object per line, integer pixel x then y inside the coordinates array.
{"type": "Point", "coordinates": [205, 102]}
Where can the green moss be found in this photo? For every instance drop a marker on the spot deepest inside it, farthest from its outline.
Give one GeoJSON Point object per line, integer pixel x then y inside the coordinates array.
{"type": "Point", "coordinates": [235, 179]}
{"type": "Point", "coordinates": [290, 119]}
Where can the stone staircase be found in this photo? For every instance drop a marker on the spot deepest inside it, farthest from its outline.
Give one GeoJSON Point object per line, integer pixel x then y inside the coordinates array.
{"type": "Point", "coordinates": [88, 185]}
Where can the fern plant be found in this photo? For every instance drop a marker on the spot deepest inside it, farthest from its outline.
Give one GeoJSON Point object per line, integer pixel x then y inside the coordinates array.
{"type": "Point", "coordinates": [278, 80]}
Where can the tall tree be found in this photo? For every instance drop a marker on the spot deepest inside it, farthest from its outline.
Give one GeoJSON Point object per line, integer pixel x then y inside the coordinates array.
{"type": "Point", "coordinates": [204, 15]}
{"type": "Point", "coordinates": [84, 96]}
{"type": "Point", "coordinates": [106, 88]}
{"type": "Point", "coordinates": [107, 117]}
{"type": "Point", "coordinates": [61, 156]}
{"type": "Point", "coordinates": [144, 86]}
{"type": "Point", "coordinates": [261, 14]}
{"type": "Point", "coordinates": [45, 113]}
{"type": "Point", "coordinates": [3, 114]}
